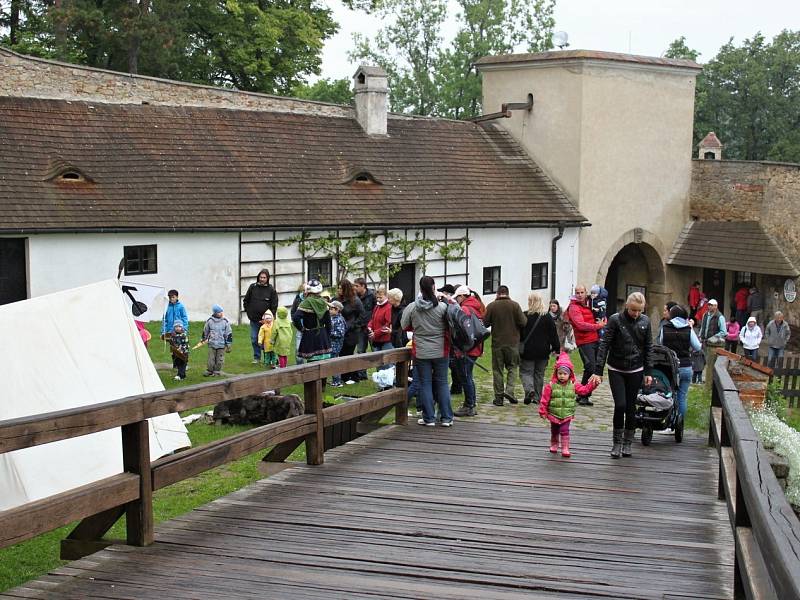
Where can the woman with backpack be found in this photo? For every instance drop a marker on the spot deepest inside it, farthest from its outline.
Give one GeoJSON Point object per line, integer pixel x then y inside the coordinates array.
{"type": "Point", "coordinates": [538, 341]}
{"type": "Point", "coordinates": [430, 349]}
{"type": "Point", "coordinates": [471, 304]}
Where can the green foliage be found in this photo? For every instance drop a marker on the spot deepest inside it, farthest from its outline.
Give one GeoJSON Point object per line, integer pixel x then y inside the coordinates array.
{"type": "Point", "coordinates": [370, 253]}
{"type": "Point", "coordinates": [775, 402]}
{"type": "Point", "coordinates": [337, 91]}
{"type": "Point", "coordinates": [750, 96]}
{"type": "Point", "coordinates": [679, 49]}
{"type": "Point", "coordinates": [428, 78]}
{"type": "Point", "coordinates": [266, 46]}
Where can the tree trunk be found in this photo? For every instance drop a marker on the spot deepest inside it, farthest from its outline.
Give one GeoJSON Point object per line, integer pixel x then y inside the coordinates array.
{"type": "Point", "coordinates": [13, 21]}
{"type": "Point", "coordinates": [60, 28]}
{"type": "Point", "coordinates": [135, 37]}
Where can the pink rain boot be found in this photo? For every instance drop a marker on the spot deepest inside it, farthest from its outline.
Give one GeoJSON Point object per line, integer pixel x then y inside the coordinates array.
{"type": "Point", "coordinates": [565, 446]}
{"type": "Point", "coordinates": [554, 442]}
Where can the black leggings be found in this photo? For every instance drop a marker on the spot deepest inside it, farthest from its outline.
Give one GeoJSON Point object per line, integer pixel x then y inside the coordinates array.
{"type": "Point", "coordinates": [348, 349]}
{"type": "Point", "coordinates": [624, 389]}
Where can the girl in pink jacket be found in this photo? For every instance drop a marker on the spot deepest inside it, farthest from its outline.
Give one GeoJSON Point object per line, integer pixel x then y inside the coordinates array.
{"type": "Point", "coordinates": [557, 404]}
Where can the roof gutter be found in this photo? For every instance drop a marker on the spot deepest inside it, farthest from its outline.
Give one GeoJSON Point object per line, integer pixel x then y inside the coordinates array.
{"type": "Point", "coordinates": [561, 228]}
{"type": "Point", "coordinates": [313, 227]}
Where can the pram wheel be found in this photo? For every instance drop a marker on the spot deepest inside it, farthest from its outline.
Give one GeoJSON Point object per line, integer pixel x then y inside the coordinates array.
{"type": "Point", "coordinates": [647, 436]}
{"type": "Point", "coordinates": [679, 430]}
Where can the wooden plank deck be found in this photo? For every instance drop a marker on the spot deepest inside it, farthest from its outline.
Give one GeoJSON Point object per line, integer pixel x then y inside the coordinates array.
{"type": "Point", "coordinates": [475, 511]}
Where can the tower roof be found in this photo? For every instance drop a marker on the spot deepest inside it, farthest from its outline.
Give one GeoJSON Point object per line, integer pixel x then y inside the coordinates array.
{"type": "Point", "coordinates": [710, 141]}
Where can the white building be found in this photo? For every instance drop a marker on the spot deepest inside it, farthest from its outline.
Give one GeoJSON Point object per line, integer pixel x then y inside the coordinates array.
{"type": "Point", "coordinates": [199, 188]}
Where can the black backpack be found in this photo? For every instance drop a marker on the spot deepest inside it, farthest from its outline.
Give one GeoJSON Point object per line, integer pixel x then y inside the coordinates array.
{"type": "Point", "coordinates": [466, 330]}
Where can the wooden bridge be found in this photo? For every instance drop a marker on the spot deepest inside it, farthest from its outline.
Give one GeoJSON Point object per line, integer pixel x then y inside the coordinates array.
{"type": "Point", "coordinates": [474, 511]}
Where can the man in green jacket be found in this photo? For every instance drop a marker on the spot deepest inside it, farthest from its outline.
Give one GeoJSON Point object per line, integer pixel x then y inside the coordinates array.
{"type": "Point", "coordinates": [506, 319]}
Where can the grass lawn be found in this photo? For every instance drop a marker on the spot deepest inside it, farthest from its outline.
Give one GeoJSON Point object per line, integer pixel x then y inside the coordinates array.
{"type": "Point", "coordinates": [38, 556]}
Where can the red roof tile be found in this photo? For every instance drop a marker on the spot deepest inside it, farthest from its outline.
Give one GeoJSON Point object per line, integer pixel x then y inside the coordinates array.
{"type": "Point", "coordinates": [157, 167]}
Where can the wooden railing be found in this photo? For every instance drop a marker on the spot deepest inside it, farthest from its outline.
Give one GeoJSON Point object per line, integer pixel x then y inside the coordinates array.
{"type": "Point", "coordinates": [102, 503]}
{"type": "Point", "coordinates": [787, 369]}
{"type": "Point", "coordinates": [765, 529]}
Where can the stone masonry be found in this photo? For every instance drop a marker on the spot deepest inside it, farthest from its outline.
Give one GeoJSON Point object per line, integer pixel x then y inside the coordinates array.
{"type": "Point", "coordinates": [762, 191]}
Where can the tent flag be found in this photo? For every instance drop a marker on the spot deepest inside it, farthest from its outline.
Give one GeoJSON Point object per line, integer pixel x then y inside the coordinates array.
{"type": "Point", "coordinates": [74, 348]}
{"type": "Point", "coordinates": [141, 300]}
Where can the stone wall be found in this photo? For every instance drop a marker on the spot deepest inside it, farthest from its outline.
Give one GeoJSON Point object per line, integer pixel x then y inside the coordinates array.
{"type": "Point", "coordinates": [756, 191]}
{"type": "Point", "coordinates": [25, 76]}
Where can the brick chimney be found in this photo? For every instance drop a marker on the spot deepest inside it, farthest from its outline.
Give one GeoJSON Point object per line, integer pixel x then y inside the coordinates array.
{"type": "Point", "coordinates": [371, 87]}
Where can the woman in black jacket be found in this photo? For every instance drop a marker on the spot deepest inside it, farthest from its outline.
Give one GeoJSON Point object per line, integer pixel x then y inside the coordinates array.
{"type": "Point", "coordinates": [541, 339]}
{"type": "Point", "coordinates": [626, 346]}
{"type": "Point", "coordinates": [353, 313]}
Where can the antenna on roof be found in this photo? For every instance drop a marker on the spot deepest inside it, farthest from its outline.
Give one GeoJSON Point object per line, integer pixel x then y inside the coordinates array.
{"type": "Point", "coordinates": [560, 39]}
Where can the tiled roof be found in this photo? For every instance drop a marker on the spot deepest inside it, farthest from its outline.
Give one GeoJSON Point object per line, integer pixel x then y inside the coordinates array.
{"type": "Point", "coordinates": [710, 141]}
{"type": "Point", "coordinates": [562, 55]}
{"type": "Point", "coordinates": [157, 168]}
{"type": "Point", "coordinates": [731, 245]}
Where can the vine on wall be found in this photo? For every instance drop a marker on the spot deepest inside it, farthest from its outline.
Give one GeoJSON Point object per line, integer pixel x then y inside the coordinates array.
{"type": "Point", "coordinates": [371, 253]}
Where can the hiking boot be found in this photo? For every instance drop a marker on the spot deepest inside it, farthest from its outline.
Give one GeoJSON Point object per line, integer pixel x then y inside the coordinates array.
{"type": "Point", "coordinates": [616, 449]}
{"type": "Point", "coordinates": [510, 398]}
{"type": "Point", "coordinates": [565, 446]}
{"type": "Point", "coordinates": [497, 402]}
{"type": "Point", "coordinates": [528, 397]}
{"type": "Point", "coordinates": [627, 440]}
{"type": "Point", "coordinates": [553, 443]}
{"type": "Point", "coordinates": [466, 411]}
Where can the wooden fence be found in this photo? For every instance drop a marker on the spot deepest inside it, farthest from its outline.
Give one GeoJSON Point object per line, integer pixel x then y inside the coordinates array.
{"type": "Point", "coordinates": [765, 529]}
{"type": "Point", "coordinates": [787, 369]}
{"type": "Point", "coordinates": [102, 503]}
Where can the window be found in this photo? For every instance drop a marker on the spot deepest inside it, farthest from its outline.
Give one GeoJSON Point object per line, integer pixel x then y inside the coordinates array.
{"type": "Point", "coordinates": [744, 278]}
{"type": "Point", "coordinates": [538, 276]}
{"type": "Point", "coordinates": [140, 260]}
{"type": "Point", "coordinates": [320, 268]}
{"type": "Point", "coordinates": [491, 280]}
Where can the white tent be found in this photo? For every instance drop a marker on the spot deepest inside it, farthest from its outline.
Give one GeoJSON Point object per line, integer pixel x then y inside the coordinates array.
{"type": "Point", "coordinates": [73, 348]}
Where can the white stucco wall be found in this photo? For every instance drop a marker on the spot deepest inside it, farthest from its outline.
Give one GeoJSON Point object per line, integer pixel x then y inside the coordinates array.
{"type": "Point", "coordinates": [203, 267]}
{"type": "Point", "coordinates": [515, 250]}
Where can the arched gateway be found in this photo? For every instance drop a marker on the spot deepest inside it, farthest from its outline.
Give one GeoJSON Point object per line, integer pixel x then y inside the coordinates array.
{"type": "Point", "coordinates": [635, 263]}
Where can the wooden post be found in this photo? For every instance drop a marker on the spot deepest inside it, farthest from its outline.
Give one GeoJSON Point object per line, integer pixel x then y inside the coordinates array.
{"type": "Point", "coordinates": [136, 459]}
{"type": "Point", "coordinates": [401, 409]}
{"type": "Point", "coordinates": [315, 442]}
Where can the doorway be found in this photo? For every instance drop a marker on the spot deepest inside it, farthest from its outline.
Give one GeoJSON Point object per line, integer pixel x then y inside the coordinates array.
{"type": "Point", "coordinates": [13, 271]}
{"type": "Point", "coordinates": [714, 286]}
{"type": "Point", "coordinates": [405, 280]}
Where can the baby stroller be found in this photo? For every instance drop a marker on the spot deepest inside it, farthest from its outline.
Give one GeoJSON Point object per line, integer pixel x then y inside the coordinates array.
{"type": "Point", "coordinates": [657, 404]}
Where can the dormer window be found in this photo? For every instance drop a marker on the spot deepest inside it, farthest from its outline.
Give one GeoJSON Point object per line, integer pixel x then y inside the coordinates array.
{"type": "Point", "coordinates": [61, 171]}
{"type": "Point", "coordinates": [363, 178]}
{"type": "Point", "coordinates": [71, 176]}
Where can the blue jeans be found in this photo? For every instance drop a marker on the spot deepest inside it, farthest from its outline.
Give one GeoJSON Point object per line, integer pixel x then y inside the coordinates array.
{"type": "Point", "coordinates": [773, 354]}
{"type": "Point", "coordinates": [751, 354]}
{"type": "Point", "coordinates": [432, 375]}
{"type": "Point", "coordinates": [254, 327]}
{"type": "Point", "coordinates": [465, 365]}
{"type": "Point", "coordinates": [684, 380]}
{"type": "Point", "coordinates": [377, 347]}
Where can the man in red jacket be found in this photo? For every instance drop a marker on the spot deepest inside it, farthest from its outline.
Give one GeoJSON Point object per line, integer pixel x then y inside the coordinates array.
{"type": "Point", "coordinates": [586, 337]}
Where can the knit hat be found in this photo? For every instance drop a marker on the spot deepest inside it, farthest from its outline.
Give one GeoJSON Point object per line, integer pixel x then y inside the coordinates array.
{"type": "Point", "coordinates": [595, 289]}
{"type": "Point", "coordinates": [752, 320]}
{"type": "Point", "coordinates": [177, 324]}
{"type": "Point", "coordinates": [564, 368]}
{"type": "Point", "coordinates": [314, 286]}
{"type": "Point", "coordinates": [268, 315]}
{"type": "Point", "coordinates": [336, 304]}
{"type": "Point", "coordinates": [462, 290]}
{"type": "Point", "coordinates": [216, 309]}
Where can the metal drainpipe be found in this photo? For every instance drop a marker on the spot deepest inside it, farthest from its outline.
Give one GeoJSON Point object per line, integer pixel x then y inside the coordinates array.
{"type": "Point", "coordinates": [553, 262]}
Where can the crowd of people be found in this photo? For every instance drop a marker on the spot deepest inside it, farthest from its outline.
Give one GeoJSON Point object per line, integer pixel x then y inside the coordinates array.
{"type": "Point", "coordinates": [355, 319]}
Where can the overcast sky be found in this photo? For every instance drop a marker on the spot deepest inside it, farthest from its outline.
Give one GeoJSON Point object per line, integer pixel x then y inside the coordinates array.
{"type": "Point", "coordinates": [637, 26]}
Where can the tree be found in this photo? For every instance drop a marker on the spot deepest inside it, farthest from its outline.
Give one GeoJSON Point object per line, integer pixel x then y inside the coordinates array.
{"type": "Point", "coordinates": [259, 45]}
{"type": "Point", "coordinates": [337, 91]}
{"type": "Point", "coordinates": [427, 77]}
{"type": "Point", "coordinates": [750, 96]}
{"type": "Point", "coordinates": [679, 49]}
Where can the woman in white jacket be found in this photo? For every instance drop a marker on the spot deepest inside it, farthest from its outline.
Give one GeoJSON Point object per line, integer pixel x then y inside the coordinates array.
{"type": "Point", "coordinates": [750, 336]}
